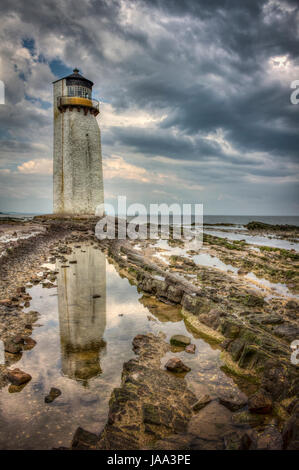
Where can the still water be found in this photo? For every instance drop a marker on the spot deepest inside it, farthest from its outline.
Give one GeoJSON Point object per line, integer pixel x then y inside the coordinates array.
{"type": "Point", "coordinates": [84, 335]}
{"type": "Point", "coordinates": [255, 239]}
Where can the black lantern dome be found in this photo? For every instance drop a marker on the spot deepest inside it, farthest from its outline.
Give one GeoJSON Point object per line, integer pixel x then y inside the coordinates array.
{"type": "Point", "coordinates": [76, 79]}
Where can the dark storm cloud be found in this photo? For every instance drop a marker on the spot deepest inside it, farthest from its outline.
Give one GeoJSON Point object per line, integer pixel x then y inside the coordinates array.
{"type": "Point", "coordinates": [206, 67]}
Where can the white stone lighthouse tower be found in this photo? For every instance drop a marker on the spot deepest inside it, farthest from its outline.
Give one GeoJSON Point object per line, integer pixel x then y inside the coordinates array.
{"type": "Point", "coordinates": [77, 165]}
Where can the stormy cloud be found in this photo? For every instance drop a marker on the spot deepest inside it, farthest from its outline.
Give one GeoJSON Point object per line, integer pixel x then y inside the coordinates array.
{"type": "Point", "coordinates": [195, 99]}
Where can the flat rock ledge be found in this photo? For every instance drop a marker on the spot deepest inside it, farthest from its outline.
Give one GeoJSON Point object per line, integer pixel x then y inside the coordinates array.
{"type": "Point", "coordinates": [150, 404]}
{"type": "Point", "coordinates": [257, 351]}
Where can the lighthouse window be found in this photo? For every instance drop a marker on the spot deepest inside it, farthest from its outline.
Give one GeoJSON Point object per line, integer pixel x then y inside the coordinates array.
{"type": "Point", "coordinates": [79, 91]}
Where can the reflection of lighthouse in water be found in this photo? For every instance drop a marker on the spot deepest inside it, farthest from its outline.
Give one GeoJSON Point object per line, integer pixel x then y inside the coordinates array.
{"type": "Point", "coordinates": [82, 313]}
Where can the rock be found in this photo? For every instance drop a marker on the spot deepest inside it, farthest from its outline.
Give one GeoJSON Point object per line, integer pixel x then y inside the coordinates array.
{"type": "Point", "coordinates": [158, 415]}
{"type": "Point", "coordinates": [287, 331]}
{"type": "Point", "coordinates": [54, 393]}
{"type": "Point", "coordinates": [252, 357]}
{"type": "Point", "coordinates": [18, 377]}
{"type": "Point", "coordinates": [198, 443]}
{"type": "Point", "coordinates": [47, 285]}
{"type": "Point", "coordinates": [269, 319]}
{"type": "Point", "coordinates": [29, 342]}
{"type": "Point", "coordinates": [234, 400]}
{"type": "Point", "coordinates": [212, 318]}
{"type": "Point", "coordinates": [244, 418]}
{"type": "Point", "coordinates": [235, 348]}
{"type": "Point", "coordinates": [193, 304]}
{"type": "Point", "coordinates": [180, 340]}
{"type": "Point", "coordinates": [84, 440]}
{"type": "Point", "coordinates": [260, 402]}
{"type": "Point", "coordinates": [242, 271]}
{"type": "Point", "coordinates": [174, 294]}
{"type": "Point", "coordinates": [249, 298]}
{"type": "Point", "coordinates": [18, 339]}
{"type": "Point", "coordinates": [190, 348]}
{"type": "Point", "coordinates": [137, 413]}
{"type": "Point", "coordinates": [212, 423]}
{"type": "Point", "coordinates": [15, 388]}
{"type": "Point", "coordinates": [11, 347]}
{"type": "Point", "coordinates": [270, 439]}
{"type": "Point", "coordinates": [253, 300]}
{"type": "Point", "coordinates": [230, 328]}
{"type": "Point", "coordinates": [238, 441]}
{"type": "Point", "coordinates": [232, 441]}
{"type": "Point", "coordinates": [290, 431]}
{"type": "Point", "coordinates": [275, 379]}
{"type": "Point", "coordinates": [292, 305]}
{"type": "Point", "coordinates": [176, 365]}
{"type": "Point", "coordinates": [202, 402]}
{"type": "Point", "coordinates": [174, 442]}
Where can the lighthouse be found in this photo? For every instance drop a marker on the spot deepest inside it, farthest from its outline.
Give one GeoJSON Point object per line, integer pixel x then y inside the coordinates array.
{"type": "Point", "coordinates": [77, 163]}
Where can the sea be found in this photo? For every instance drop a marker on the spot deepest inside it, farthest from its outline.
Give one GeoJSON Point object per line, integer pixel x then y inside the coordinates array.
{"type": "Point", "coordinates": [240, 220]}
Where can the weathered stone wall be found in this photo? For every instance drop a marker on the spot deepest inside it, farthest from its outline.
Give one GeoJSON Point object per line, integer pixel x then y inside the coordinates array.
{"type": "Point", "coordinates": [77, 166]}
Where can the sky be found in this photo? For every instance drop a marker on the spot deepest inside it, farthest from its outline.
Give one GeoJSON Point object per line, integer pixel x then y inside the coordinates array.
{"type": "Point", "coordinates": [194, 98]}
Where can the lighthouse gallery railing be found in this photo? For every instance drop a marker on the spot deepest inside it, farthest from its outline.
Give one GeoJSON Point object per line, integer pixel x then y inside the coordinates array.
{"type": "Point", "coordinates": [77, 101]}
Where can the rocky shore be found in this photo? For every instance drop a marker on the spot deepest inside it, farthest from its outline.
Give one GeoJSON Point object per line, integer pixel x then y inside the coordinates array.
{"type": "Point", "coordinates": [153, 407]}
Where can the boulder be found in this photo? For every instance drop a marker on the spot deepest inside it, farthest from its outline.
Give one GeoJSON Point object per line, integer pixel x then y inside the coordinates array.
{"type": "Point", "coordinates": [270, 439]}
{"type": "Point", "coordinates": [11, 347]}
{"type": "Point", "coordinates": [212, 318]}
{"type": "Point", "coordinates": [29, 342]}
{"type": "Point", "coordinates": [176, 365]}
{"type": "Point", "coordinates": [180, 340]}
{"type": "Point", "coordinates": [275, 379]}
{"type": "Point", "coordinates": [18, 377]}
{"type": "Point", "coordinates": [54, 393]}
{"type": "Point", "coordinates": [174, 442]}
{"type": "Point", "coordinates": [237, 441]}
{"type": "Point", "coordinates": [84, 440]}
{"type": "Point", "coordinates": [235, 348]}
{"type": "Point", "coordinates": [270, 319]}
{"type": "Point", "coordinates": [15, 388]}
{"type": "Point", "coordinates": [18, 339]}
{"type": "Point", "coordinates": [202, 402]}
{"type": "Point", "coordinates": [174, 294]}
{"type": "Point", "coordinates": [190, 348]}
{"type": "Point", "coordinates": [253, 357]}
{"type": "Point", "coordinates": [292, 305]}
{"type": "Point", "coordinates": [290, 431]}
{"type": "Point", "coordinates": [287, 331]}
{"type": "Point", "coordinates": [234, 400]}
{"type": "Point", "coordinates": [260, 402]}
{"type": "Point", "coordinates": [245, 419]}
{"type": "Point", "coordinates": [193, 304]}
{"type": "Point", "coordinates": [230, 328]}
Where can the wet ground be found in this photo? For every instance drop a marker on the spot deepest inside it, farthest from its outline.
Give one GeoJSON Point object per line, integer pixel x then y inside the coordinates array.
{"type": "Point", "coordinates": [87, 321]}
{"type": "Point", "coordinates": [243, 234]}
{"type": "Point", "coordinates": [206, 259]}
